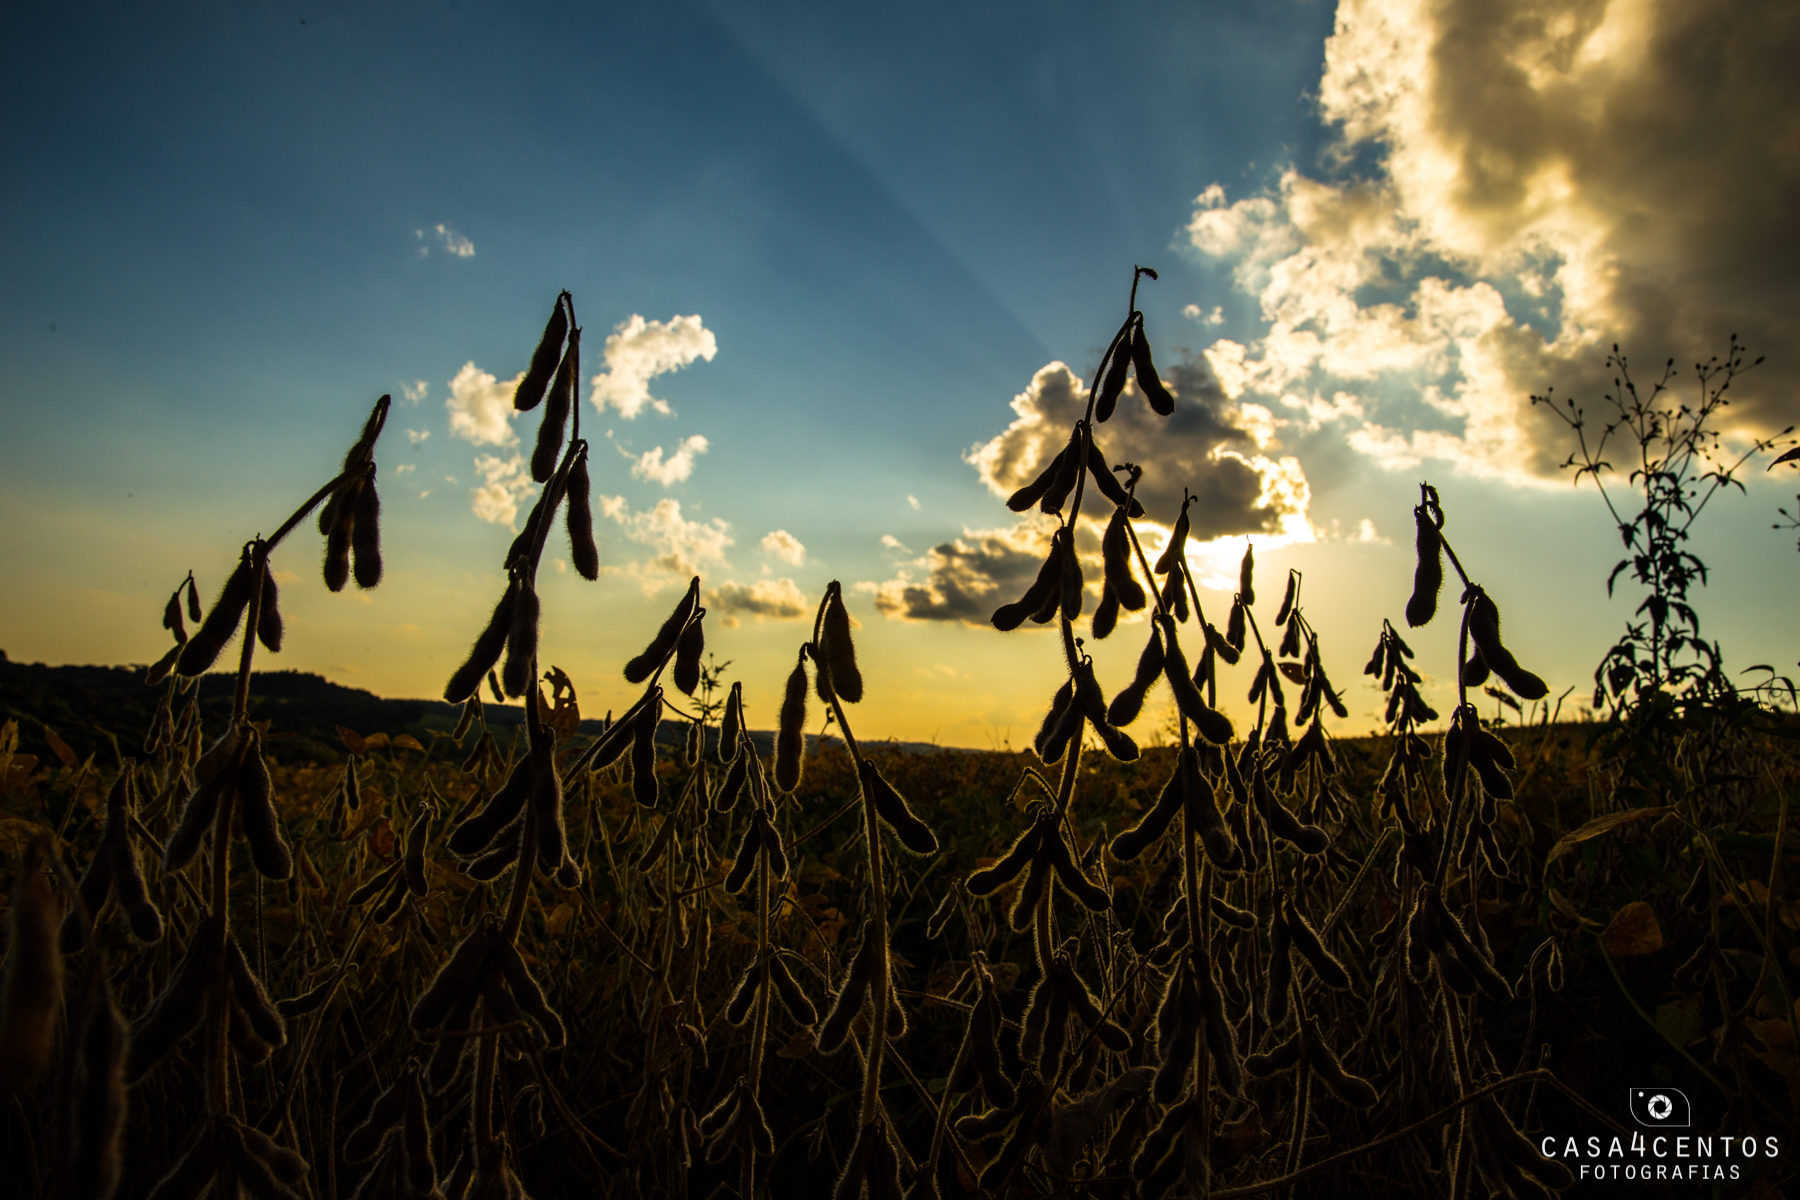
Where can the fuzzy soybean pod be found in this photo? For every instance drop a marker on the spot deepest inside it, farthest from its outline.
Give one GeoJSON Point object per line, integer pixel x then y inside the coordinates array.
{"type": "Point", "coordinates": [1428, 577]}
{"type": "Point", "coordinates": [1283, 1057]}
{"type": "Point", "coordinates": [216, 771]}
{"type": "Point", "coordinates": [1281, 969]}
{"type": "Point", "coordinates": [414, 861]}
{"type": "Point", "coordinates": [743, 996]}
{"type": "Point", "coordinates": [180, 1005]}
{"type": "Point", "coordinates": [1203, 812]}
{"type": "Point", "coordinates": [1311, 947]}
{"type": "Point", "coordinates": [1083, 1004]}
{"type": "Point", "coordinates": [1093, 705]}
{"type": "Point", "coordinates": [31, 989]}
{"type": "Point", "coordinates": [1129, 700]}
{"type": "Point", "coordinates": [726, 798]}
{"type": "Point", "coordinates": [891, 806]}
{"type": "Point", "coordinates": [262, 828]}
{"type": "Point", "coordinates": [690, 647]}
{"type": "Point", "coordinates": [989, 880]}
{"type": "Point", "coordinates": [1044, 588]}
{"type": "Point", "coordinates": [336, 568]}
{"type": "Point", "coordinates": [1028, 496]}
{"type": "Point", "coordinates": [485, 653]}
{"type": "Point", "coordinates": [1226, 1067]}
{"type": "Point", "coordinates": [1161, 402]}
{"type": "Point", "coordinates": [462, 969]}
{"type": "Point", "coordinates": [1118, 362]}
{"type": "Point", "coordinates": [1308, 839]}
{"type": "Point", "coordinates": [1062, 724]}
{"type": "Point", "coordinates": [365, 535]}
{"type": "Point", "coordinates": [477, 831]}
{"type": "Point", "coordinates": [644, 785]}
{"type": "Point", "coordinates": [1115, 554]}
{"type": "Point", "coordinates": [1136, 840]}
{"type": "Point", "coordinates": [1465, 952]}
{"type": "Point", "coordinates": [521, 641]}
{"type": "Point", "coordinates": [745, 860]}
{"type": "Point", "coordinates": [1068, 470]}
{"type": "Point", "coordinates": [731, 725]}
{"type": "Point", "coordinates": [1108, 482]}
{"type": "Point", "coordinates": [834, 1031]}
{"type": "Point", "coordinates": [1211, 723]}
{"type": "Point", "coordinates": [530, 995]}
{"type": "Point", "coordinates": [1178, 1035]}
{"type": "Point", "coordinates": [838, 652]}
{"type": "Point", "coordinates": [252, 997]}
{"type": "Point", "coordinates": [1353, 1090]}
{"type": "Point", "coordinates": [547, 812]}
{"type": "Point", "coordinates": [97, 880]}
{"type": "Point", "coordinates": [201, 650]}
{"type": "Point", "coordinates": [792, 998]}
{"type": "Point", "coordinates": [141, 912]}
{"type": "Point", "coordinates": [561, 397]}
{"type": "Point", "coordinates": [384, 1116]}
{"type": "Point", "coordinates": [1484, 631]}
{"type": "Point", "coordinates": [1073, 879]}
{"type": "Point", "coordinates": [268, 615]}
{"type": "Point", "coordinates": [584, 552]}
{"type": "Point", "coordinates": [97, 1098]}
{"type": "Point", "coordinates": [543, 360]}
{"type": "Point", "coordinates": [641, 667]}
{"type": "Point", "coordinates": [790, 735]}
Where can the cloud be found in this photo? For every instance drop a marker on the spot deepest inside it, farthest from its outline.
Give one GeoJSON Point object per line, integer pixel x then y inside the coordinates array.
{"type": "Point", "coordinates": [650, 465]}
{"type": "Point", "coordinates": [913, 501]}
{"type": "Point", "coordinates": [777, 598]}
{"type": "Point", "coordinates": [415, 436]}
{"type": "Point", "coordinates": [638, 351]}
{"type": "Point", "coordinates": [1512, 189]}
{"type": "Point", "coordinates": [894, 543]}
{"type": "Point", "coordinates": [1211, 446]}
{"type": "Point", "coordinates": [506, 486]}
{"type": "Point", "coordinates": [414, 392]}
{"type": "Point", "coordinates": [405, 468]}
{"type": "Point", "coordinates": [968, 578]}
{"type": "Point", "coordinates": [681, 547]}
{"type": "Point", "coordinates": [452, 242]}
{"type": "Point", "coordinates": [785, 546]}
{"type": "Point", "coordinates": [481, 408]}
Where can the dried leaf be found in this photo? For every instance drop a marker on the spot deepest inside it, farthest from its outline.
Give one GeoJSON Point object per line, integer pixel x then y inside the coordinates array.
{"type": "Point", "coordinates": [1598, 826]}
{"type": "Point", "coordinates": [1633, 931]}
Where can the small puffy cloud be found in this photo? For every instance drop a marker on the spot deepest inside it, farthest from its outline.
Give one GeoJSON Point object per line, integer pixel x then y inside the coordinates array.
{"type": "Point", "coordinates": [405, 468]}
{"type": "Point", "coordinates": [680, 547]}
{"type": "Point", "coordinates": [638, 351]}
{"type": "Point", "coordinates": [414, 392]}
{"type": "Point", "coordinates": [1194, 312]}
{"type": "Point", "coordinates": [777, 598]}
{"type": "Point", "coordinates": [894, 543]}
{"type": "Point", "coordinates": [506, 486]}
{"type": "Point", "coordinates": [1212, 446]}
{"type": "Point", "coordinates": [446, 239]}
{"type": "Point", "coordinates": [785, 546]}
{"type": "Point", "coordinates": [678, 466]}
{"type": "Point", "coordinates": [1512, 189]}
{"type": "Point", "coordinates": [913, 501]}
{"type": "Point", "coordinates": [415, 436]}
{"type": "Point", "coordinates": [481, 407]}
{"type": "Point", "coordinates": [968, 578]}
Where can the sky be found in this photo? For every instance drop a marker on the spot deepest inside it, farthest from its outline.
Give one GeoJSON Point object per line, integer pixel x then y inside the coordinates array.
{"type": "Point", "coordinates": [844, 273]}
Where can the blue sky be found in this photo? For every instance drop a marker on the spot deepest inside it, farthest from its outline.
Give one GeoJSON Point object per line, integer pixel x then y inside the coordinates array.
{"type": "Point", "coordinates": [228, 228]}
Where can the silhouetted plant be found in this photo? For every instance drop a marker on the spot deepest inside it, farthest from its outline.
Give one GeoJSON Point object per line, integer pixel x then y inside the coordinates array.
{"type": "Point", "coordinates": [1678, 463]}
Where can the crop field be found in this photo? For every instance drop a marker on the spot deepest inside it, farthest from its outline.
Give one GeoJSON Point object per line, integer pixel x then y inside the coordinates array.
{"type": "Point", "coordinates": [668, 956]}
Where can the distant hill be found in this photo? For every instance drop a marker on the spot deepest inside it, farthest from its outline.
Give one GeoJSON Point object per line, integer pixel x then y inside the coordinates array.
{"type": "Point", "coordinates": [85, 704]}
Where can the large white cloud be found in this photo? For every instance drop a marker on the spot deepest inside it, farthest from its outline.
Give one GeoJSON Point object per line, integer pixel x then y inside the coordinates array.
{"type": "Point", "coordinates": [638, 351]}
{"type": "Point", "coordinates": [1546, 179]}
{"type": "Point", "coordinates": [780, 599]}
{"type": "Point", "coordinates": [781, 544]}
{"type": "Point", "coordinates": [481, 407]}
{"type": "Point", "coordinates": [678, 466]}
{"type": "Point", "coordinates": [681, 548]}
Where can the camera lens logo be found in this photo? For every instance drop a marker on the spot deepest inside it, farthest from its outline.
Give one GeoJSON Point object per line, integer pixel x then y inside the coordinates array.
{"type": "Point", "coordinates": [1660, 1107]}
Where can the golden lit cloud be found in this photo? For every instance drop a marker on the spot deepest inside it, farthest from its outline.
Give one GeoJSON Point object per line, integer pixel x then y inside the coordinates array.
{"type": "Point", "coordinates": [1548, 179]}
